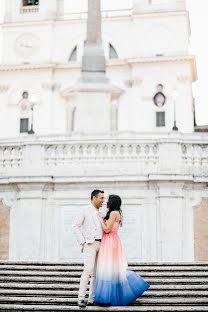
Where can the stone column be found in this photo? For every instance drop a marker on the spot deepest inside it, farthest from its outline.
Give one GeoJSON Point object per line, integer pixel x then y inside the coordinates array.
{"type": "Point", "coordinates": [28, 222]}
{"type": "Point", "coordinates": [93, 61]}
{"type": "Point", "coordinates": [70, 111]}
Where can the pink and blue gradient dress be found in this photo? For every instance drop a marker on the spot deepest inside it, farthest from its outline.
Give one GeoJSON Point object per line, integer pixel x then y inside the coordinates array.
{"type": "Point", "coordinates": [115, 285]}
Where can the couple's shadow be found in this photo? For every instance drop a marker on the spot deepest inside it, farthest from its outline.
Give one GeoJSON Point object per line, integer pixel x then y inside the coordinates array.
{"type": "Point", "coordinates": [102, 304]}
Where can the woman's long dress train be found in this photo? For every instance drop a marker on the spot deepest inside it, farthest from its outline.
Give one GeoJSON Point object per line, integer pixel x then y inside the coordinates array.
{"type": "Point", "coordinates": [115, 285]}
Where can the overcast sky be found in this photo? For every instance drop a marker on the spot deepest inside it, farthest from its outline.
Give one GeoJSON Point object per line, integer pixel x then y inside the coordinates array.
{"type": "Point", "coordinates": [199, 25]}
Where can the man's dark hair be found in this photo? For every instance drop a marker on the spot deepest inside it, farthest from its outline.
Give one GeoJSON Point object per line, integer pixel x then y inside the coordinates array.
{"type": "Point", "coordinates": [95, 193]}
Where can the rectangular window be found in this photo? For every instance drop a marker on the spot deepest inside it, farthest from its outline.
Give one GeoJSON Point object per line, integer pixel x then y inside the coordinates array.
{"type": "Point", "coordinates": [30, 2]}
{"type": "Point", "coordinates": [24, 123]}
{"type": "Point", "coordinates": [160, 119]}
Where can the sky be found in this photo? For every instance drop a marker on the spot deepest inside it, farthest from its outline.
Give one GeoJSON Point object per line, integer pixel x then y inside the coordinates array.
{"type": "Point", "coordinates": [199, 24]}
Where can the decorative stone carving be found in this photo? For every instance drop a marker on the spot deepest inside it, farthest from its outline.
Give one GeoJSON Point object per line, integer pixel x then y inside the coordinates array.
{"type": "Point", "coordinates": [4, 88]}
{"type": "Point", "coordinates": [134, 82]}
{"type": "Point", "coordinates": [27, 44]}
{"type": "Point", "coordinates": [184, 79]}
{"type": "Point", "coordinates": [7, 201]}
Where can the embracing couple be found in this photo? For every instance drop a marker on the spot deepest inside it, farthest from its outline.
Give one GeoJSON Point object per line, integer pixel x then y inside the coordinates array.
{"type": "Point", "coordinates": [104, 259]}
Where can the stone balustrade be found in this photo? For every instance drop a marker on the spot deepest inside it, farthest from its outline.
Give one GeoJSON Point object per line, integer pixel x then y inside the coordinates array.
{"type": "Point", "coordinates": [29, 9]}
{"type": "Point", "coordinates": [142, 156]}
{"type": "Point", "coordinates": [195, 158]}
{"type": "Point", "coordinates": [11, 156]}
{"type": "Point", "coordinates": [99, 152]}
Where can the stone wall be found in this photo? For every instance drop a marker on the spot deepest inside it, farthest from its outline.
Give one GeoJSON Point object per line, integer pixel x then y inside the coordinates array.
{"type": "Point", "coordinates": [201, 231]}
{"type": "Point", "coordinates": [4, 232]}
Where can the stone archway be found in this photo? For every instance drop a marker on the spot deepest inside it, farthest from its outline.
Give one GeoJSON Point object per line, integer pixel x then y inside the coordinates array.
{"type": "Point", "coordinates": [4, 231]}
{"type": "Point", "coordinates": [201, 231]}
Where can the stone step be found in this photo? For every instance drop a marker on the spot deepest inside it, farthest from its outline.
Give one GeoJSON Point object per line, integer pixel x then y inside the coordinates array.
{"type": "Point", "coordinates": [55, 308]}
{"type": "Point", "coordinates": [158, 280]}
{"type": "Point", "coordinates": [76, 286]}
{"type": "Point", "coordinates": [31, 286]}
{"type": "Point", "coordinates": [80, 268]}
{"type": "Point", "coordinates": [45, 263]}
{"type": "Point", "coordinates": [78, 274]}
{"type": "Point", "coordinates": [74, 293]}
{"type": "Point", "coordinates": [73, 301]}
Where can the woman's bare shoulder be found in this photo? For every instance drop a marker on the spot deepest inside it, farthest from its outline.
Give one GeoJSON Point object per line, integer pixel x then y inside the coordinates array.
{"type": "Point", "coordinates": [115, 214]}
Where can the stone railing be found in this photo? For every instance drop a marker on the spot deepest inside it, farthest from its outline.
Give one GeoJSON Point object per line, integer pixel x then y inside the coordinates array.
{"type": "Point", "coordinates": [29, 9]}
{"type": "Point", "coordinates": [139, 157]}
{"type": "Point", "coordinates": [62, 154]}
{"type": "Point", "coordinates": [195, 158]}
{"type": "Point", "coordinates": [11, 157]}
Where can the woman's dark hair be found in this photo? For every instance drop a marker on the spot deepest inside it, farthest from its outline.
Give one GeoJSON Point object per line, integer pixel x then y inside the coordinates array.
{"type": "Point", "coordinates": [114, 204]}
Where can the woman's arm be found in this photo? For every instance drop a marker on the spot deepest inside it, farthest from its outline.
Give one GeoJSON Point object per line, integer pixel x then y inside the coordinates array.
{"type": "Point", "coordinates": [109, 224]}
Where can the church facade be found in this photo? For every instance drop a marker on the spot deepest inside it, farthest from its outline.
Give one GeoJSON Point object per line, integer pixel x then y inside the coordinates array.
{"type": "Point", "coordinates": [133, 134]}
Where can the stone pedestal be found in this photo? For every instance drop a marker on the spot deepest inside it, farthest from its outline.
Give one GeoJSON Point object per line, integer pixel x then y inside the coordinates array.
{"type": "Point", "coordinates": [93, 108]}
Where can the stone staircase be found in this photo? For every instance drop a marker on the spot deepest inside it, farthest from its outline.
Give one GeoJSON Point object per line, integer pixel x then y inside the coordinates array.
{"type": "Point", "coordinates": [32, 286]}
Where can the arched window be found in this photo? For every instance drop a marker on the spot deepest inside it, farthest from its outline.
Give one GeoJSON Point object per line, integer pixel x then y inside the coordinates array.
{"type": "Point", "coordinates": [112, 52]}
{"type": "Point", "coordinates": [73, 56]}
{"type": "Point", "coordinates": [30, 2]}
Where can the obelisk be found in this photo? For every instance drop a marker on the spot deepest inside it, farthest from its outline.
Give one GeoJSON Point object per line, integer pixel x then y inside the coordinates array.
{"type": "Point", "coordinates": [93, 60]}
{"type": "Point", "coordinates": [94, 92]}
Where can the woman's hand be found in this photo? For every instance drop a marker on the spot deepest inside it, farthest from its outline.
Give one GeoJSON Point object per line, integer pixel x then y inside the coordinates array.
{"type": "Point", "coordinates": [108, 224]}
{"type": "Point", "coordinates": [100, 216]}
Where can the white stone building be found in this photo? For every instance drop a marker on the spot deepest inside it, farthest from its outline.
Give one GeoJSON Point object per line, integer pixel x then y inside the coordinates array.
{"type": "Point", "coordinates": [133, 136]}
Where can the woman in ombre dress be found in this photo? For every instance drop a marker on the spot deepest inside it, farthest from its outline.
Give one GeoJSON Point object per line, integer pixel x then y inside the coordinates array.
{"type": "Point", "coordinates": [115, 285]}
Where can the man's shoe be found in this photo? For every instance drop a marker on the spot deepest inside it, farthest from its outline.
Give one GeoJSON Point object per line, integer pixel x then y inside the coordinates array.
{"type": "Point", "coordinates": [90, 304]}
{"type": "Point", "coordinates": [82, 303]}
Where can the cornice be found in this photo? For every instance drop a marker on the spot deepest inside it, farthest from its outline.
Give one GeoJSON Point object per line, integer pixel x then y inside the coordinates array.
{"type": "Point", "coordinates": [21, 67]}
{"type": "Point", "coordinates": [126, 137]}
{"type": "Point", "coordinates": [51, 23]}
{"type": "Point", "coordinates": [130, 17]}
{"type": "Point", "coordinates": [116, 63]}
{"type": "Point", "coordinates": [161, 14]}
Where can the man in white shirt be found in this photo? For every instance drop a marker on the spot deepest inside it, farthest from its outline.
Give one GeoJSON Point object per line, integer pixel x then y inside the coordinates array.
{"type": "Point", "coordinates": [88, 231]}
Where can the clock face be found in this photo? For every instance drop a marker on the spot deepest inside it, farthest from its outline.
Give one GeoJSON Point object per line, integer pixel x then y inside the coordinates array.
{"type": "Point", "coordinates": [26, 45]}
{"type": "Point", "coordinates": [159, 99]}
